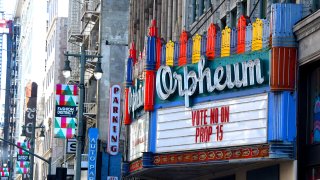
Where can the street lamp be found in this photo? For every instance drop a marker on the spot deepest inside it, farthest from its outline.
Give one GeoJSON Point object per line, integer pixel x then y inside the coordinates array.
{"type": "Point", "coordinates": [98, 71]}
{"type": "Point", "coordinates": [66, 73]}
{"type": "Point", "coordinates": [67, 69]}
{"type": "Point", "coordinates": [24, 130]}
{"type": "Point", "coordinates": [42, 133]}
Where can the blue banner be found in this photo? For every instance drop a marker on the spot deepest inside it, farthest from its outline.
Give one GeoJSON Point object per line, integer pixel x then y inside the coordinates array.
{"type": "Point", "coordinates": [92, 154]}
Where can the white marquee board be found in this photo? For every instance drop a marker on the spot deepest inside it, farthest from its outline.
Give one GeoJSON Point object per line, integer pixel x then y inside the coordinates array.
{"type": "Point", "coordinates": [139, 133]}
{"type": "Point", "coordinates": [247, 124]}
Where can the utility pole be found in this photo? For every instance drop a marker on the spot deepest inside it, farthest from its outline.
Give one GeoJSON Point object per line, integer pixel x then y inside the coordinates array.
{"type": "Point", "coordinates": [97, 74]}
{"type": "Point", "coordinates": [33, 137]}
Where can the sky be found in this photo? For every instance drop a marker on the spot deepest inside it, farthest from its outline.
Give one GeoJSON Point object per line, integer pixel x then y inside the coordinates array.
{"type": "Point", "coordinates": [9, 6]}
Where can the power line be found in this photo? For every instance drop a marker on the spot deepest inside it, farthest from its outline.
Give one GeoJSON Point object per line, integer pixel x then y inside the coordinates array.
{"type": "Point", "coordinates": [254, 8]}
{"type": "Point", "coordinates": [212, 12]}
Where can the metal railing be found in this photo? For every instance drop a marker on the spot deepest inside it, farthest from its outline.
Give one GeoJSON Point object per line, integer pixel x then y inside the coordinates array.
{"type": "Point", "coordinates": [91, 5]}
{"type": "Point", "coordinates": [90, 109]}
{"type": "Point", "coordinates": [89, 13]}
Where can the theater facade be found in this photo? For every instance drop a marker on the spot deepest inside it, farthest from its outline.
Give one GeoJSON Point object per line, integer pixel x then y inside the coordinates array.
{"type": "Point", "coordinates": [220, 105]}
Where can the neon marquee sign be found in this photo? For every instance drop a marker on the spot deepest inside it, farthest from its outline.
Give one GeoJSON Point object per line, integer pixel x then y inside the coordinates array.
{"type": "Point", "coordinates": [136, 96]}
{"type": "Point", "coordinates": [168, 82]}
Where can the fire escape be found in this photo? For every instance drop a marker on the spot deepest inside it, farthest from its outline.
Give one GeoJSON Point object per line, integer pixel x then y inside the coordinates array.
{"type": "Point", "coordinates": [84, 31]}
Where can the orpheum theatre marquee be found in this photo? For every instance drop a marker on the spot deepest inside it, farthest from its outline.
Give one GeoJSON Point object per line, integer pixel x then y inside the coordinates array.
{"type": "Point", "coordinates": [223, 96]}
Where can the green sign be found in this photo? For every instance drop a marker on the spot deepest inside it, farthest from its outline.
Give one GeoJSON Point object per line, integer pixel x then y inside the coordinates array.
{"type": "Point", "coordinates": [205, 78]}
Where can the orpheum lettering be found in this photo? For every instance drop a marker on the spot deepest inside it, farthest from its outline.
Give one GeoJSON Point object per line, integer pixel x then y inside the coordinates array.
{"type": "Point", "coordinates": [136, 96]}
{"type": "Point", "coordinates": [204, 120]}
{"type": "Point", "coordinates": [114, 116]}
{"type": "Point", "coordinates": [237, 75]}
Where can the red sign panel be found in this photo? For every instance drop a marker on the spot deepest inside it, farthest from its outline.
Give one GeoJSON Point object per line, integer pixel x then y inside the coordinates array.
{"type": "Point", "coordinates": [257, 151]}
{"type": "Point", "coordinates": [135, 166]}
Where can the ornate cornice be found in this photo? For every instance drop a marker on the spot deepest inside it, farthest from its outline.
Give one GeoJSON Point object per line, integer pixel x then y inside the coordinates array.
{"type": "Point", "coordinates": [307, 26]}
{"type": "Point", "coordinates": [309, 58]}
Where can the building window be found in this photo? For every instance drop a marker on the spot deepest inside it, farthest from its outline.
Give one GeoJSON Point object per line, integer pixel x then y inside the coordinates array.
{"type": "Point", "coordinates": [244, 7]}
{"type": "Point", "coordinates": [47, 7]}
{"type": "Point", "coordinates": [315, 5]}
{"type": "Point", "coordinates": [263, 9]}
{"type": "Point", "coordinates": [234, 17]}
{"type": "Point", "coordinates": [199, 7]}
{"type": "Point", "coordinates": [309, 120]}
{"type": "Point", "coordinates": [223, 22]}
{"type": "Point", "coordinates": [207, 5]}
{"type": "Point", "coordinates": [52, 101]}
{"type": "Point", "coordinates": [194, 14]}
{"type": "Point", "coordinates": [49, 103]}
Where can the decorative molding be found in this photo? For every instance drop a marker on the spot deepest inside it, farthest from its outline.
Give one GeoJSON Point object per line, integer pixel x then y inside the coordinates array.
{"type": "Point", "coordinates": [135, 166]}
{"type": "Point", "coordinates": [309, 58]}
{"type": "Point", "coordinates": [307, 26]}
{"type": "Point", "coordinates": [246, 152]}
{"type": "Point", "coordinates": [283, 68]}
{"type": "Point", "coordinates": [282, 150]}
{"type": "Point", "coordinates": [308, 29]}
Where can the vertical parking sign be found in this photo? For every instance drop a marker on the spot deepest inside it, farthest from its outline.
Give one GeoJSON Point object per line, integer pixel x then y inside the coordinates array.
{"type": "Point", "coordinates": [114, 120]}
{"type": "Point", "coordinates": [92, 155]}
